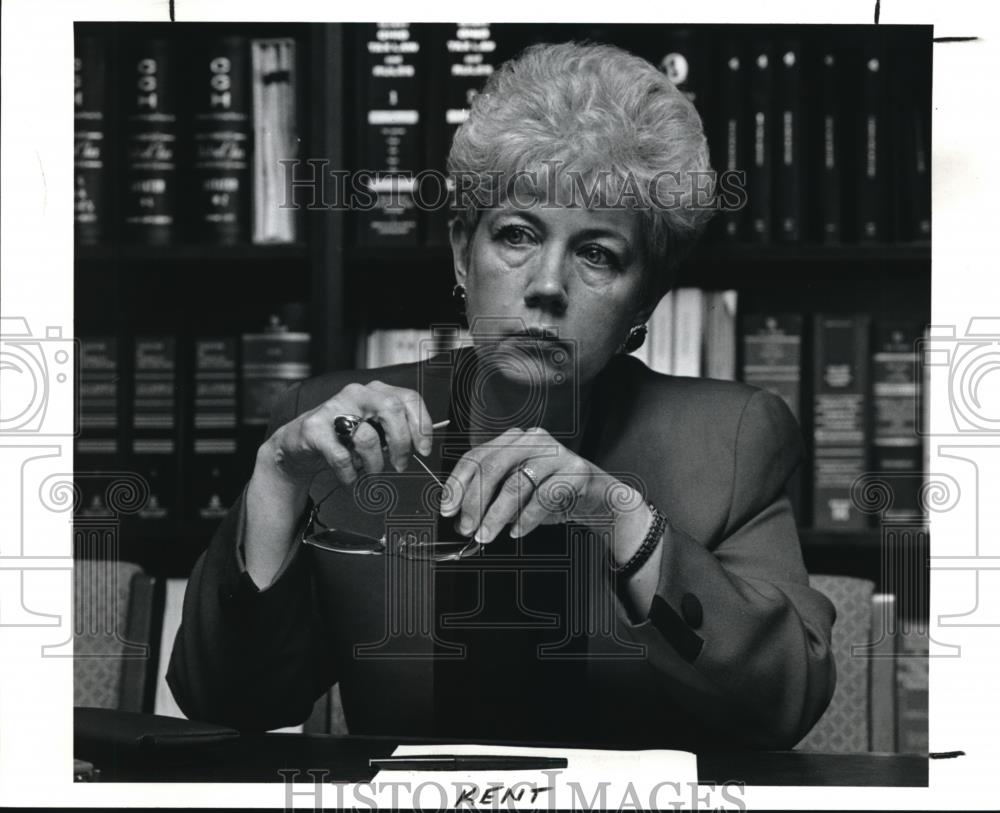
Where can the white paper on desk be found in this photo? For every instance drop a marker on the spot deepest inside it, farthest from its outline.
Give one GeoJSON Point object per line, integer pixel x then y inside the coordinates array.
{"type": "Point", "coordinates": [593, 779]}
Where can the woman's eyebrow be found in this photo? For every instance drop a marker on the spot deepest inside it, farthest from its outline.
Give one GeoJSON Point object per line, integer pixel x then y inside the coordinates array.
{"type": "Point", "coordinates": [509, 211]}
{"type": "Point", "coordinates": [614, 234]}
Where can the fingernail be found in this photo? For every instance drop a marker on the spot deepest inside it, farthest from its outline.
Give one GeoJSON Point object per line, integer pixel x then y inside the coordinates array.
{"type": "Point", "coordinates": [515, 531]}
{"type": "Point", "coordinates": [465, 527]}
{"type": "Point", "coordinates": [483, 535]}
{"type": "Point", "coordinates": [447, 510]}
{"type": "Point", "coordinates": [425, 448]}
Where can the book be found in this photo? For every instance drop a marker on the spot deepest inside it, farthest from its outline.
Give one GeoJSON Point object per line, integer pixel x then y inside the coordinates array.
{"type": "Point", "coordinates": [828, 151]}
{"type": "Point", "coordinates": [212, 477]}
{"type": "Point", "coordinates": [149, 115]}
{"type": "Point", "coordinates": [730, 139]}
{"type": "Point", "coordinates": [389, 136]}
{"type": "Point", "coordinates": [772, 360]}
{"type": "Point", "coordinates": [772, 355]}
{"type": "Point", "coordinates": [720, 335]}
{"type": "Point", "coordinates": [840, 421]}
{"type": "Point", "coordinates": [759, 164]}
{"type": "Point", "coordinates": [689, 320]}
{"type": "Point", "coordinates": [272, 359]}
{"type": "Point", "coordinates": [913, 649]}
{"type": "Point", "coordinates": [897, 447]}
{"type": "Point", "coordinates": [90, 140]}
{"type": "Point", "coordinates": [463, 59]}
{"type": "Point", "coordinates": [912, 88]}
{"type": "Point", "coordinates": [275, 139]}
{"type": "Point", "coordinates": [870, 170]}
{"type": "Point", "coordinates": [155, 439]}
{"type": "Point", "coordinates": [98, 445]}
{"type": "Point", "coordinates": [683, 60]}
{"type": "Point", "coordinates": [788, 133]}
{"type": "Point", "coordinates": [882, 674]}
{"type": "Point", "coordinates": [219, 145]}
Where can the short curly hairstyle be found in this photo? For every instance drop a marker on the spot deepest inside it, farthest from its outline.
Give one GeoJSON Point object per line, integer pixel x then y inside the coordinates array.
{"type": "Point", "coordinates": [594, 112]}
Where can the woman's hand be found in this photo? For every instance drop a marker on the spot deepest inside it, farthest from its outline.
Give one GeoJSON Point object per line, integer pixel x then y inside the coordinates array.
{"type": "Point", "coordinates": [296, 452]}
{"type": "Point", "coordinates": [526, 478]}
{"type": "Point", "coordinates": [302, 448]}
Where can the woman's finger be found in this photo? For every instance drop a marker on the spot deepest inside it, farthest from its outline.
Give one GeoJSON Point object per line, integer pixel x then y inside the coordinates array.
{"type": "Point", "coordinates": [456, 488]}
{"type": "Point", "coordinates": [550, 503]}
{"type": "Point", "coordinates": [315, 434]}
{"type": "Point", "coordinates": [384, 404]}
{"type": "Point", "coordinates": [513, 495]}
{"type": "Point", "coordinates": [479, 474]}
{"type": "Point", "coordinates": [486, 472]}
{"type": "Point", "coordinates": [421, 425]}
{"type": "Point", "coordinates": [368, 447]}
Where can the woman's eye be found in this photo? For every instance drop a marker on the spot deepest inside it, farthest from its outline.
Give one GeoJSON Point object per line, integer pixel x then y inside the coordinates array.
{"type": "Point", "coordinates": [598, 255]}
{"type": "Point", "coordinates": [514, 235]}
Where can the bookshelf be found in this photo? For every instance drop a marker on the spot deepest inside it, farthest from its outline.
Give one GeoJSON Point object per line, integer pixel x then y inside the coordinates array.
{"type": "Point", "coordinates": [186, 288]}
{"type": "Point", "coordinates": [192, 288]}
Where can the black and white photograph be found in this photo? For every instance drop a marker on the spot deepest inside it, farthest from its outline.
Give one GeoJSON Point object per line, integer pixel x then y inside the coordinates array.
{"type": "Point", "coordinates": [526, 414]}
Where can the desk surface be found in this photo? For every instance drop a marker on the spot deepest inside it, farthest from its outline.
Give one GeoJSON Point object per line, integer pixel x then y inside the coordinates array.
{"type": "Point", "coordinates": [259, 757]}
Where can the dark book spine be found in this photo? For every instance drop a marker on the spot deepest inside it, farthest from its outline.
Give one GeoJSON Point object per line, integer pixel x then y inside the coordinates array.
{"type": "Point", "coordinates": [830, 149]}
{"type": "Point", "coordinates": [896, 445]}
{"type": "Point", "coordinates": [211, 473]}
{"type": "Point", "coordinates": [730, 143]}
{"type": "Point", "coordinates": [912, 87]}
{"type": "Point", "coordinates": [220, 146]}
{"type": "Point", "coordinates": [98, 445]}
{"type": "Point", "coordinates": [90, 151]}
{"type": "Point", "coordinates": [840, 425]}
{"type": "Point", "coordinates": [150, 121]}
{"type": "Point", "coordinates": [461, 60]}
{"type": "Point", "coordinates": [788, 132]}
{"type": "Point", "coordinates": [759, 165]}
{"type": "Point", "coordinates": [772, 355]}
{"type": "Point", "coordinates": [271, 361]}
{"type": "Point", "coordinates": [772, 360]}
{"type": "Point", "coordinates": [870, 135]}
{"type": "Point", "coordinates": [684, 63]}
{"type": "Point", "coordinates": [389, 132]}
{"type": "Point", "coordinates": [156, 436]}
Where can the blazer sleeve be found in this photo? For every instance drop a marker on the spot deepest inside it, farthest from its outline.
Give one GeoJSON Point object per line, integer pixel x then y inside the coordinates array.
{"type": "Point", "coordinates": [247, 658]}
{"type": "Point", "coordinates": [734, 630]}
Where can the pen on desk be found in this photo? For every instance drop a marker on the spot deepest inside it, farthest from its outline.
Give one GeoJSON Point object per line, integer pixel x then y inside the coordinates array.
{"type": "Point", "coordinates": [466, 762]}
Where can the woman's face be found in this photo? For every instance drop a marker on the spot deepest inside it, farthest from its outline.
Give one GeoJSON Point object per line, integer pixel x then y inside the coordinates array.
{"type": "Point", "coordinates": [576, 272]}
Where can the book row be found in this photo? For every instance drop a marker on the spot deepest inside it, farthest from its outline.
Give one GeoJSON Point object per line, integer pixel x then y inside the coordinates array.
{"type": "Point", "coordinates": [179, 139]}
{"type": "Point", "coordinates": [822, 139]}
{"type": "Point", "coordinates": [186, 417]}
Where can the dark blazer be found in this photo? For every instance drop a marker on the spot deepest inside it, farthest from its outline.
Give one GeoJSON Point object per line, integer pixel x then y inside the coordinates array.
{"type": "Point", "coordinates": [735, 651]}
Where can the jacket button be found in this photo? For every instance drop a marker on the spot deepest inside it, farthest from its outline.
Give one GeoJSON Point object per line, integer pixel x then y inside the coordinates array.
{"type": "Point", "coordinates": [691, 610]}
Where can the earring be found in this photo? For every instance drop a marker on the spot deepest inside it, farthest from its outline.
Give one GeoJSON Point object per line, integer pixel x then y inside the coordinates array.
{"type": "Point", "coordinates": [458, 297]}
{"type": "Point", "coordinates": [636, 336]}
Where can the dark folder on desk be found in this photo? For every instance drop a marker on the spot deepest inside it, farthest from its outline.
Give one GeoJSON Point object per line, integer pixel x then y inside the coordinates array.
{"type": "Point", "coordinates": [96, 729]}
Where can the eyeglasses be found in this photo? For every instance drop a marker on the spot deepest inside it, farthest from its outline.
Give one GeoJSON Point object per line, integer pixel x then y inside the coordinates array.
{"type": "Point", "coordinates": [406, 545]}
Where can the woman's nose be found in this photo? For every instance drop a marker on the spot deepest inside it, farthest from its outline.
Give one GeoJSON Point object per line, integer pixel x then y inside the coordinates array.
{"type": "Point", "coordinates": [546, 283]}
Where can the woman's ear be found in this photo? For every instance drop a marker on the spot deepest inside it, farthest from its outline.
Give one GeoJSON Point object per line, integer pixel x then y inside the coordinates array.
{"type": "Point", "coordinates": [459, 237]}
